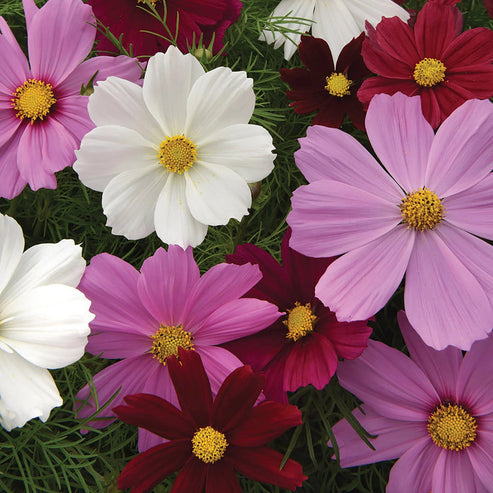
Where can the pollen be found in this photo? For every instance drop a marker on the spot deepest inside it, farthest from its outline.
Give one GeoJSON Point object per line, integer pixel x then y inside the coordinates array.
{"type": "Point", "coordinates": [429, 72]}
{"type": "Point", "coordinates": [33, 100]}
{"type": "Point", "coordinates": [152, 2]}
{"type": "Point", "coordinates": [300, 321]}
{"type": "Point", "coordinates": [338, 85]}
{"type": "Point", "coordinates": [177, 154]}
{"type": "Point", "coordinates": [209, 445]}
{"type": "Point", "coordinates": [452, 427]}
{"type": "Point", "coordinates": [422, 209]}
{"type": "Point", "coordinates": [167, 340]}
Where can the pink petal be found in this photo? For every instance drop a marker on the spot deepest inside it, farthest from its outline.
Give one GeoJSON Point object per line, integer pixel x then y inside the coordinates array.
{"type": "Point", "coordinates": [30, 9]}
{"type": "Point", "coordinates": [218, 286]}
{"type": "Point", "coordinates": [441, 367]}
{"type": "Point", "coordinates": [71, 113]}
{"type": "Point", "coordinates": [390, 383]}
{"type": "Point", "coordinates": [462, 152]}
{"type": "Point", "coordinates": [444, 301]}
{"type": "Point", "coordinates": [329, 153]}
{"type": "Point", "coordinates": [393, 438]}
{"type": "Point", "coordinates": [401, 137]}
{"type": "Point", "coordinates": [454, 472]}
{"type": "Point", "coordinates": [9, 123]}
{"type": "Point", "coordinates": [60, 36]}
{"type": "Point", "coordinates": [238, 318]}
{"type": "Point", "coordinates": [329, 218]}
{"type": "Point", "coordinates": [480, 454]}
{"type": "Point", "coordinates": [11, 183]}
{"type": "Point", "coordinates": [415, 468]}
{"type": "Point", "coordinates": [472, 209]}
{"type": "Point", "coordinates": [359, 284]}
{"type": "Point", "coordinates": [166, 281]}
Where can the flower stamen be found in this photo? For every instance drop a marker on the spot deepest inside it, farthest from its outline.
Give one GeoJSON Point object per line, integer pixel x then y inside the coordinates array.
{"type": "Point", "coordinates": [33, 100]}
{"type": "Point", "coordinates": [209, 445]}
{"type": "Point", "coordinates": [429, 72]}
{"type": "Point", "coordinates": [422, 209]}
{"type": "Point", "coordinates": [300, 321]}
{"type": "Point", "coordinates": [452, 427]}
{"type": "Point", "coordinates": [338, 85]}
{"type": "Point", "coordinates": [167, 340]}
{"type": "Point", "coordinates": [177, 154]}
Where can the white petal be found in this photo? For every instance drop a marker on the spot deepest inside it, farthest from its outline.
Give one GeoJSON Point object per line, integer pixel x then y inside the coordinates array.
{"type": "Point", "coordinates": [11, 247]}
{"type": "Point", "coordinates": [175, 224]}
{"type": "Point", "coordinates": [215, 194]}
{"type": "Point", "coordinates": [363, 10]}
{"type": "Point", "coordinates": [120, 102]}
{"type": "Point", "coordinates": [246, 149]}
{"type": "Point", "coordinates": [47, 263]}
{"type": "Point", "coordinates": [129, 201]}
{"type": "Point", "coordinates": [110, 150]}
{"type": "Point", "coordinates": [167, 83]}
{"type": "Point", "coordinates": [48, 325]}
{"type": "Point", "coordinates": [26, 392]}
{"type": "Point", "coordinates": [219, 98]}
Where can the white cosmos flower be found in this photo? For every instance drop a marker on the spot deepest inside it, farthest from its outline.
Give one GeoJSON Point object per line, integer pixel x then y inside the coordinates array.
{"type": "Point", "coordinates": [176, 154]}
{"type": "Point", "coordinates": [335, 21]}
{"type": "Point", "coordinates": [44, 322]}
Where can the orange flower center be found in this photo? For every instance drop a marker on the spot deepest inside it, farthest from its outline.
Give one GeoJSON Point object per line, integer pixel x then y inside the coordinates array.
{"type": "Point", "coordinates": [422, 209]}
{"type": "Point", "coordinates": [209, 445]}
{"type": "Point", "coordinates": [33, 100]}
{"type": "Point", "coordinates": [167, 340]}
{"type": "Point", "coordinates": [300, 321]}
{"type": "Point", "coordinates": [177, 154]}
{"type": "Point", "coordinates": [429, 72]}
{"type": "Point", "coordinates": [338, 85]}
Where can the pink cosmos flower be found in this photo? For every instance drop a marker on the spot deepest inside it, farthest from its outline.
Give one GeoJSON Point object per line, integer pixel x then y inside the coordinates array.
{"type": "Point", "coordinates": [433, 410]}
{"type": "Point", "coordinates": [303, 347]}
{"type": "Point", "coordinates": [43, 115]}
{"type": "Point", "coordinates": [144, 318]}
{"type": "Point", "coordinates": [421, 218]}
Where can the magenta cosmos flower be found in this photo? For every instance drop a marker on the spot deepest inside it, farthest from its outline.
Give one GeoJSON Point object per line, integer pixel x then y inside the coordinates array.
{"type": "Point", "coordinates": [43, 115]}
{"type": "Point", "coordinates": [210, 439]}
{"type": "Point", "coordinates": [433, 410]}
{"type": "Point", "coordinates": [421, 216]}
{"type": "Point", "coordinates": [303, 347]}
{"type": "Point", "coordinates": [194, 18]}
{"type": "Point", "coordinates": [144, 318]}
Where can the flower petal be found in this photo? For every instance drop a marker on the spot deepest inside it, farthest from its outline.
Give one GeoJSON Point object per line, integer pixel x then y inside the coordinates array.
{"type": "Point", "coordinates": [480, 454]}
{"type": "Point", "coordinates": [192, 478]}
{"type": "Point", "coordinates": [12, 182]}
{"type": "Point", "coordinates": [454, 472]}
{"type": "Point", "coordinates": [359, 284]}
{"type": "Point", "coordinates": [329, 218]}
{"type": "Point", "coordinates": [28, 391]}
{"type": "Point", "coordinates": [11, 247]}
{"type": "Point", "coordinates": [222, 478]}
{"type": "Point", "coordinates": [71, 114]}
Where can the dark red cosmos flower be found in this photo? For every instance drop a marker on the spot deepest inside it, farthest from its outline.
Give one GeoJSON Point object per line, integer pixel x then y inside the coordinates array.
{"type": "Point", "coordinates": [196, 17]}
{"type": "Point", "coordinates": [321, 87]}
{"type": "Point", "coordinates": [303, 347]}
{"type": "Point", "coordinates": [209, 440]}
{"type": "Point", "coordinates": [434, 61]}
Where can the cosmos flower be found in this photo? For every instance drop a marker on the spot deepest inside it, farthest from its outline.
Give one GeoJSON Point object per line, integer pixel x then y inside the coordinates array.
{"type": "Point", "coordinates": [419, 215]}
{"type": "Point", "coordinates": [143, 318]}
{"type": "Point", "coordinates": [444, 69]}
{"type": "Point", "coordinates": [335, 21]}
{"type": "Point", "coordinates": [303, 347]}
{"type": "Point", "coordinates": [329, 90]}
{"type": "Point", "coordinates": [43, 115]}
{"type": "Point", "coordinates": [44, 322]}
{"type": "Point", "coordinates": [177, 154]}
{"type": "Point", "coordinates": [433, 411]}
{"type": "Point", "coordinates": [194, 18]}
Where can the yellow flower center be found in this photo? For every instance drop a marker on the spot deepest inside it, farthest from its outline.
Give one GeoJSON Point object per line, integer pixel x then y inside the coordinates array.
{"type": "Point", "coordinates": [152, 2]}
{"type": "Point", "coordinates": [300, 321]}
{"type": "Point", "coordinates": [429, 72]}
{"type": "Point", "coordinates": [33, 100]}
{"type": "Point", "coordinates": [422, 209]}
{"type": "Point", "coordinates": [338, 85]}
{"type": "Point", "coordinates": [177, 153]}
{"type": "Point", "coordinates": [452, 427]}
{"type": "Point", "coordinates": [167, 340]}
{"type": "Point", "coordinates": [209, 445]}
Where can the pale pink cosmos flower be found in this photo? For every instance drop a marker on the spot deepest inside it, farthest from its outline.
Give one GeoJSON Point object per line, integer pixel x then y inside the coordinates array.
{"type": "Point", "coordinates": [421, 216]}
{"type": "Point", "coordinates": [142, 318]}
{"type": "Point", "coordinates": [43, 116]}
{"type": "Point", "coordinates": [433, 410]}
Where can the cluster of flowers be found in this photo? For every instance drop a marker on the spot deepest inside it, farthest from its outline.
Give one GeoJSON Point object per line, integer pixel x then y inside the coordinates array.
{"type": "Point", "coordinates": [175, 153]}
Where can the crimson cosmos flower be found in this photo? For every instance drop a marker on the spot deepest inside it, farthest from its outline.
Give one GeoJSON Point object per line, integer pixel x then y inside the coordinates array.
{"type": "Point", "coordinates": [321, 87]}
{"type": "Point", "coordinates": [209, 440]}
{"type": "Point", "coordinates": [302, 348]}
{"type": "Point", "coordinates": [436, 62]}
{"type": "Point", "coordinates": [195, 17]}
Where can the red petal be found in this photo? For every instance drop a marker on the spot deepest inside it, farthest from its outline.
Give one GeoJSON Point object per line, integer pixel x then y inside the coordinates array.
{"type": "Point", "coordinates": [382, 63]}
{"type": "Point", "coordinates": [302, 80]}
{"type": "Point", "coordinates": [274, 377]}
{"type": "Point", "coordinates": [155, 415]}
{"type": "Point", "coordinates": [377, 85]}
{"type": "Point", "coordinates": [236, 396]}
{"type": "Point", "coordinates": [192, 386]}
{"type": "Point", "coordinates": [316, 55]}
{"type": "Point", "coordinates": [265, 422]}
{"type": "Point", "coordinates": [350, 54]}
{"type": "Point", "coordinates": [262, 464]}
{"type": "Point", "coordinates": [149, 468]}
{"type": "Point", "coordinates": [192, 477]}
{"type": "Point", "coordinates": [474, 82]}
{"type": "Point", "coordinates": [221, 478]}
{"type": "Point", "coordinates": [430, 107]}
{"type": "Point", "coordinates": [472, 47]}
